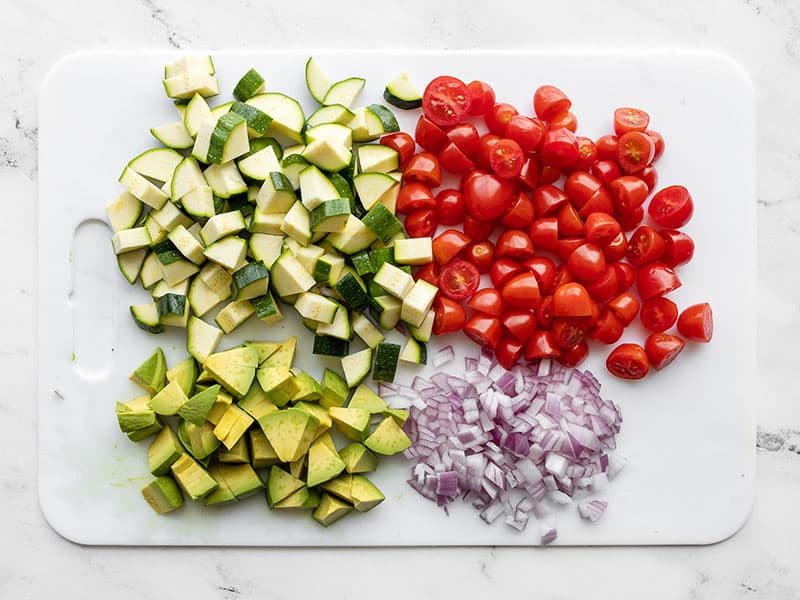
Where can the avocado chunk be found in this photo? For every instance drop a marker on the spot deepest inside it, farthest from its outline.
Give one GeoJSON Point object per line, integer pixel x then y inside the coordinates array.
{"type": "Point", "coordinates": [185, 373]}
{"type": "Point", "coordinates": [135, 415]}
{"type": "Point", "coordinates": [387, 438]}
{"type": "Point", "coordinates": [163, 495]}
{"type": "Point", "coordinates": [352, 422]}
{"type": "Point", "coordinates": [264, 349]}
{"type": "Point", "coordinates": [222, 494]}
{"type": "Point", "coordinates": [193, 478]}
{"type": "Point", "coordinates": [232, 426]}
{"type": "Point", "coordinates": [281, 485]}
{"type": "Point", "coordinates": [143, 434]}
{"type": "Point", "coordinates": [323, 464]}
{"type": "Point", "coordinates": [330, 510]}
{"type": "Point", "coordinates": [169, 400]}
{"type": "Point", "coordinates": [298, 467]}
{"type": "Point", "coordinates": [241, 479]}
{"type": "Point", "coordinates": [283, 357]}
{"type": "Point", "coordinates": [298, 499]}
{"type": "Point", "coordinates": [334, 390]}
{"type": "Point", "coordinates": [309, 388]}
{"type": "Point", "coordinates": [290, 432]}
{"type": "Point", "coordinates": [240, 452]}
{"type": "Point", "coordinates": [196, 409]}
{"type": "Point", "coordinates": [278, 383]}
{"type": "Point", "coordinates": [365, 398]}
{"type": "Point", "coordinates": [400, 415]}
{"type": "Point", "coordinates": [316, 411]}
{"type": "Point", "coordinates": [262, 454]}
{"type": "Point", "coordinates": [256, 403]}
{"type": "Point", "coordinates": [152, 372]}
{"type": "Point", "coordinates": [220, 407]}
{"type": "Point", "coordinates": [235, 369]}
{"type": "Point", "coordinates": [164, 450]}
{"type": "Point", "coordinates": [199, 440]}
{"type": "Point", "coordinates": [365, 495]}
{"type": "Point", "coordinates": [342, 487]}
{"type": "Point", "coordinates": [358, 458]}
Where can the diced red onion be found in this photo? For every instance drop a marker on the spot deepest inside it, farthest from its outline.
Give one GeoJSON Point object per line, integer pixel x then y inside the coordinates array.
{"type": "Point", "coordinates": [443, 356]}
{"type": "Point", "coordinates": [592, 509]}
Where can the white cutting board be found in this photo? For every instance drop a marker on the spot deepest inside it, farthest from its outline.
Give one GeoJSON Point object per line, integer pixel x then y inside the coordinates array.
{"type": "Point", "coordinates": [688, 431]}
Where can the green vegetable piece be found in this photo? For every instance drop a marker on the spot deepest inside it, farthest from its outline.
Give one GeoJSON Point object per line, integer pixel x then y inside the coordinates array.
{"type": "Point", "coordinates": [193, 478]}
{"type": "Point", "coordinates": [352, 422]}
{"type": "Point", "coordinates": [169, 400]}
{"type": "Point", "coordinates": [262, 454]}
{"type": "Point", "coordinates": [323, 464]}
{"type": "Point", "coordinates": [152, 373]}
{"type": "Point", "coordinates": [248, 86]}
{"type": "Point", "coordinates": [264, 349]}
{"type": "Point", "coordinates": [309, 388]}
{"type": "Point", "coordinates": [281, 485]}
{"type": "Point", "coordinates": [196, 409]}
{"type": "Point", "coordinates": [358, 458]}
{"type": "Point", "coordinates": [388, 438]}
{"type": "Point", "coordinates": [240, 453]}
{"type": "Point", "coordinates": [334, 389]}
{"type": "Point", "coordinates": [330, 510]}
{"type": "Point", "coordinates": [365, 398]}
{"type": "Point", "coordinates": [163, 495]}
{"type": "Point", "coordinates": [185, 373]}
{"type": "Point", "coordinates": [164, 450]}
{"type": "Point", "coordinates": [235, 369]}
{"type": "Point", "coordinates": [290, 432]}
{"type": "Point", "coordinates": [365, 495]}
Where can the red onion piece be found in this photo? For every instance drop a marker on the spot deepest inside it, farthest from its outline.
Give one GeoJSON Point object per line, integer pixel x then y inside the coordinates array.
{"type": "Point", "coordinates": [443, 356]}
{"type": "Point", "coordinates": [592, 509]}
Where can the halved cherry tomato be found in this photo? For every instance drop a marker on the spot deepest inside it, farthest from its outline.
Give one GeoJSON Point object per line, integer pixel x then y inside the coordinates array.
{"type": "Point", "coordinates": [566, 119]}
{"type": "Point", "coordinates": [605, 287]}
{"type": "Point", "coordinates": [508, 352]}
{"type": "Point", "coordinates": [544, 314]}
{"type": "Point", "coordinates": [658, 314]}
{"type": "Point", "coordinates": [548, 200]}
{"type": "Point", "coordinates": [559, 147]}
{"type": "Point", "coordinates": [601, 228]}
{"type": "Point", "coordinates": [562, 276]}
{"type": "Point", "coordinates": [446, 101]}
{"type": "Point", "coordinates": [656, 279]}
{"type": "Point", "coordinates": [566, 246]}
{"type": "Point", "coordinates": [541, 345]}
{"type": "Point", "coordinates": [587, 262]}
{"type": "Point", "coordinates": [606, 170]}
{"type": "Point", "coordinates": [662, 349]}
{"type": "Point", "coordinates": [608, 328]}
{"type": "Point", "coordinates": [629, 192]}
{"type": "Point", "coordinates": [484, 330]}
{"type": "Point", "coordinates": [476, 230]}
{"type": "Point", "coordinates": [671, 207]}
{"type": "Point", "coordinates": [696, 323]}
{"type": "Point", "coordinates": [645, 246]}
{"type": "Point", "coordinates": [549, 174]}
{"type": "Point", "coordinates": [448, 244]}
{"type": "Point", "coordinates": [630, 119]}
{"type": "Point", "coordinates": [527, 132]}
{"type": "Point", "coordinates": [567, 331]}
{"type": "Point", "coordinates": [506, 158]}
{"type": "Point", "coordinates": [403, 143]}
{"type": "Point", "coordinates": [678, 247]}
{"type": "Point", "coordinates": [481, 97]}
{"type": "Point", "coordinates": [480, 254]}
{"type": "Point", "coordinates": [498, 117]}
{"type": "Point", "coordinates": [580, 187]}
{"type": "Point", "coordinates": [650, 176]}
{"type": "Point", "coordinates": [521, 291]}
{"type": "Point", "coordinates": [529, 176]}
{"type": "Point", "coordinates": [421, 223]}
{"type": "Point", "coordinates": [423, 167]}
{"type": "Point", "coordinates": [469, 176]}
{"type": "Point", "coordinates": [625, 306]}
{"type": "Point", "coordinates": [520, 214]}
{"type": "Point", "coordinates": [459, 279]}
{"type": "Point", "coordinates": [570, 223]}
{"type": "Point", "coordinates": [607, 146]}
{"type": "Point", "coordinates": [515, 244]}
{"type": "Point", "coordinates": [626, 275]}
{"type": "Point", "coordinates": [448, 315]}
{"type": "Point", "coordinates": [502, 270]}
{"type": "Point", "coordinates": [635, 150]}
{"type": "Point", "coordinates": [429, 273]}
{"type": "Point", "coordinates": [488, 197]}
{"type": "Point", "coordinates": [484, 147]}
{"type": "Point", "coordinates": [487, 301]}
{"type": "Point", "coordinates": [450, 206]}
{"type": "Point", "coordinates": [600, 201]}
{"type": "Point", "coordinates": [571, 300]}
{"type": "Point", "coordinates": [548, 101]}
{"type": "Point", "coordinates": [587, 153]}
{"type": "Point", "coordinates": [429, 135]}
{"type": "Point", "coordinates": [414, 196]}
{"type": "Point", "coordinates": [658, 142]}
{"type": "Point", "coordinates": [630, 220]}
{"type": "Point", "coordinates": [616, 248]}
{"type": "Point", "coordinates": [572, 357]}
{"type": "Point", "coordinates": [519, 323]}
{"type": "Point", "coordinates": [544, 233]}
{"type": "Point", "coordinates": [454, 160]}
{"type": "Point", "coordinates": [628, 361]}
{"type": "Point", "coordinates": [544, 269]}
{"type": "Point", "coordinates": [466, 137]}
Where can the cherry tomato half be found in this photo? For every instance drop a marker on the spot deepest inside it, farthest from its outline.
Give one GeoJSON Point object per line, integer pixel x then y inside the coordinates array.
{"type": "Point", "coordinates": [403, 143]}
{"type": "Point", "coordinates": [568, 331]}
{"type": "Point", "coordinates": [484, 330]}
{"type": "Point", "coordinates": [450, 207]}
{"type": "Point", "coordinates": [629, 192]}
{"type": "Point", "coordinates": [459, 279]}
{"type": "Point", "coordinates": [508, 352]}
{"type": "Point", "coordinates": [548, 200]}
{"type": "Point", "coordinates": [446, 101]}
{"type": "Point", "coordinates": [423, 167]}
{"type": "Point", "coordinates": [696, 323]}
{"type": "Point", "coordinates": [570, 223]}
{"type": "Point", "coordinates": [529, 176]}
{"type": "Point", "coordinates": [658, 141]}
{"type": "Point", "coordinates": [480, 254]}
{"type": "Point", "coordinates": [521, 291]}
{"type": "Point", "coordinates": [645, 246]}
{"type": "Point", "coordinates": [502, 270]}
{"type": "Point", "coordinates": [421, 223]}
{"type": "Point", "coordinates": [519, 323]}
{"type": "Point", "coordinates": [571, 300]}
{"type": "Point", "coordinates": [487, 301]}
{"type": "Point", "coordinates": [658, 314]}
{"type": "Point", "coordinates": [544, 233]}
{"type": "Point", "coordinates": [559, 147]}
{"type": "Point", "coordinates": [678, 247]}
{"type": "Point", "coordinates": [447, 245]}
{"type": "Point", "coordinates": [606, 170]}
{"type": "Point", "coordinates": [448, 315]}
{"type": "Point", "coordinates": [476, 230]}
{"type": "Point", "coordinates": [414, 196]}
{"type": "Point", "coordinates": [628, 361]}
{"type": "Point", "coordinates": [608, 328]}
{"type": "Point", "coordinates": [626, 275]}
{"type": "Point", "coordinates": [515, 244]}
{"type": "Point", "coordinates": [635, 150]}
{"type": "Point", "coordinates": [466, 137]}
{"type": "Point", "coordinates": [548, 101]}
{"type": "Point", "coordinates": [454, 160]}
{"type": "Point", "coordinates": [671, 207]}
{"type": "Point", "coordinates": [662, 349]}
{"type": "Point", "coordinates": [429, 135]}
{"type": "Point", "coordinates": [481, 97]}
{"type": "Point", "coordinates": [429, 273]}
{"type": "Point", "coordinates": [541, 345]}
{"type": "Point", "coordinates": [630, 119]}
{"type": "Point", "coordinates": [498, 117]}
{"type": "Point", "coordinates": [527, 132]}
{"type": "Point", "coordinates": [520, 214]}
{"type": "Point", "coordinates": [587, 153]}
{"type": "Point", "coordinates": [601, 228]}
{"type": "Point", "coordinates": [506, 158]}
{"type": "Point", "coordinates": [587, 262]}
{"type": "Point", "coordinates": [572, 357]}
{"type": "Point", "coordinates": [616, 248]}
{"type": "Point", "coordinates": [488, 197]}
{"type": "Point", "coordinates": [484, 147]}
{"type": "Point", "coordinates": [544, 269]}
{"type": "Point", "coordinates": [566, 119]}
{"type": "Point", "coordinates": [605, 287]}
{"type": "Point", "coordinates": [625, 306]}
{"type": "Point", "coordinates": [580, 187]}
{"type": "Point", "coordinates": [607, 146]}
{"type": "Point", "coordinates": [656, 279]}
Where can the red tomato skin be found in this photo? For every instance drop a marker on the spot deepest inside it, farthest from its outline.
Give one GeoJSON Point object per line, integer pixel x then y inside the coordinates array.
{"type": "Point", "coordinates": [498, 116]}
{"type": "Point", "coordinates": [658, 142]}
{"type": "Point", "coordinates": [429, 273]}
{"type": "Point", "coordinates": [645, 246]}
{"type": "Point", "coordinates": [544, 269]}
{"type": "Point", "coordinates": [548, 200]}
{"type": "Point", "coordinates": [521, 291]}
{"type": "Point", "coordinates": [478, 231]}
{"type": "Point", "coordinates": [630, 220]}
{"type": "Point", "coordinates": [606, 170]}
{"type": "Point", "coordinates": [544, 233]}
{"type": "Point", "coordinates": [446, 101]}
{"type": "Point", "coordinates": [466, 137]}
{"type": "Point", "coordinates": [403, 143]}
{"type": "Point", "coordinates": [630, 119]}
{"type": "Point", "coordinates": [529, 175]}
{"type": "Point", "coordinates": [487, 301]}
{"type": "Point", "coordinates": [671, 207]}
{"type": "Point", "coordinates": [429, 135]}
{"type": "Point", "coordinates": [607, 146]}
{"type": "Point", "coordinates": [549, 101]}
{"type": "Point", "coordinates": [454, 160]}
{"type": "Point", "coordinates": [566, 246]}
{"type": "Point", "coordinates": [696, 323]}
{"type": "Point", "coordinates": [541, 345]}
{"type": "Point", "coordinates": [565, 119]}
{"type": "Point", "coordinates": [414, 196]}
{"type": "Point", "coordinates": [570, 223]}
{"type": "Point", "coordinates": [580, 187]}
{"type": "Point", "coordinates": [488, 197]}
{"type": "Point", "coordinates": [562, 276]}
{"type": "Point", "coordinates": [559, 148]}
{"type": "Point", "coordinates": [450, 207]}
{"type": "Point", "coordinates": [600, 201]}
{"type": "Point", "coordinates": [514, 243]}
{"type": "Point", "coordinates": [587, 153]}
{"type": "Point", "coordinates": [628, 361]}
{"type": "Point", "coordinates": [519, 323]}
{"type": "Point", "coordinates": [662, 349]}
{"type": "Point", "coordinates": [608, 328]}
{"type": "Point", "coordinates": [572, 357]}
{"type": "Point", "coordinates": [447, 245]}
{"type": "Point", "coordinates": [506, 159]}
{"type": "Point", "coordinates": [650, 177]}
{"type": "Point", "coordinates": [617, 248]}
{"type": "Point", "coordinates": [601, 228]}
{"type": "Point", "coordinates": [605, 287]}
{"type": "Point", "coordinates": [421, 223]}
{"type": "Point", "coordinates": [678, 247]}
{"type": "Point", "coordinates": [656, 279]}
{"type": "Point", "coordinates": [626, 276]}
{"type": "Point", "coordinates": [629, 192]}
{"type": "Point", "coordinates": [502, 270]}
{"type": "Point", "coordinates": [658, 314]}
{"type": "Point", "coordinates": [480, 254]}
{"type": "Point", "coordinates": [625, 306]}
{"type": "Point", "coordinates": [508, 352]}
{"type": "Point", "coordinates": [449, 315]}
{"type": "Point", "coordinates": [571, 300]}
{"type": "Point", "coordinates": [549, 174]}
{"type": "Point", "coordinates": [484, 330]}
{"type": "Point", "coordinates": [482, 97]}
{"type": "Point", "coordinates": [423, 167]}
{"type": "Point", "coordinates": [567, 332]}
{"type": "Point", "coordinates": [544, 314]}
{"type": "Point", "coordinates": [520, 214]}
{"type": "Point", "coordinates": [485, 145]}
{"type": "Point", "coordinates": [459, 279]}
{"type": "Point", "coordinates": [527, 132]}
{"type": "Point", "coordinates": [587, 263]}
{"type": "Point", "coordinates": [635, 150]}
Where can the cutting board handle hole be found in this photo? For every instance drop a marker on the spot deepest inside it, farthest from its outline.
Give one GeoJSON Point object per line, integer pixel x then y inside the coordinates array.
{"type": "Point", "coordinates": [91, 299]}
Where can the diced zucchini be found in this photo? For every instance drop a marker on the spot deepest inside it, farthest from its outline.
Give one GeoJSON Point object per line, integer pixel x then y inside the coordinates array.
{"type": "Point", "coordinates": [330, 346]}
{"type": "Point", "coordinates": [251, 281]}
{"type": "Point", "coordinates": [296, 223]}
{"type": "Point", "coordinates": [307, 255]}
{"type": "Point", "coordinates": [187, 245]}
{"type": "Point", "coordinates": [234, 314]}
{"type": "Point", "coordinates": [355, 236]}
{"type": "Point", "coordinates": [386, 357]}
{"type": "Point", "coordinates": [228, 252]}
{"type": "Point", "coordinates": [225, 180]}
{"type": "Point", "coordinates": [334, 113]}
{"type": "Point", "coordinates": [187, 176]}
{"type": "Point", "coordinates": [377, 158]}
{"type": "Point", "coordinates": [402, 93]}
{"type": "Point", "coordinates": [382, 223]}
{"type": "Point", "coordinates": [330, 216]}
{"type": "Point", "coordinates": [202, 339]}
{"type": "Point", "coordinates": [248, 86]}
{"type": "Point", "coordinates": [216, 278]}
{"type": "Point", "coordinates": [269, 223]}
{"type": "Point", "coordinates": [202, 298]}
{"type": "Point", "coordinates": [289, 277]}
{"type": "Point", "coordinates": [362, 263]}
{"type": "Point", "coordinates": [197, 112]}
{"type": "Point", "coordinates": [150, 273]}
{"type": "Point", "coordinates": [161, 289]}
{"type": "Point", "coordinates": [413, 251]}
{"type": "Point", "coordinates": [173, 310]}
{"type": "Point", "coordinates": [177, 271]}
{"type": "Point", "coordinates": [267, 309]}
{"type": "Point", "coordinates": [414, 352]}
{"type": "Point", "coordinates": [344, 92]}
{"type": "Point", "coordinates": [352, 291]}
{"type": "Point", "coordinates": [190, 63]}
{"type": "Point", "coordinates": [276, 194]}
{"type": "Point", "coordinates": [372, 188]}
{"type": "Point", "coordinates": [418, 302]}
{"type": "Point", "coordinates": [142, 189]}
{"type": "Point", "coordinates": [124, 212]}
{"type": "Point", "coordinates": [315, 187]}
{"type": "Point", "coordinates": [366, 330]}
{"type": "Point", "coordinates": [423, 332]}
{"type": "Point", "coordinates": [339, 327]}
{"type": "Point", "coordinates": [393, 280]}
{"type": "Point", "coordinates": [313, 306]}
{"type": "Point", "coordinates": [265, 247]}
{"type": "Point", "coordinates": [317, 82]}
{"type": "Point", "coordinates": [327, 155]}
{"type": "Point", "coordinates": [130, 264]}
{"type": "Point", "coordinates": [156, 163]}
{"type": "Point", "coordinates": [292, 165]}
{"type": "Point", "coordinates": [259, 165]}
{"type": "Point", "coordinates": [186, 85]}
{"type": "Point", "coordinates": [328, 268]}
{"type": "Point", "coordinates": [388, 309]}
{"type": "Point", "coordinates": [199, 202]}
{"type": "Point", "coordinates": [129, 240]}
{"type": "Point", "coordinates": [222, 225]}
{"type": "Point", "coordinates": [388, 120]}
{"type": "Point", "coordinates": [356, 366]}
{"type": "Point", "coordinates": [287, 114]}
{"type": "Point", "coordinates": [146, 317]}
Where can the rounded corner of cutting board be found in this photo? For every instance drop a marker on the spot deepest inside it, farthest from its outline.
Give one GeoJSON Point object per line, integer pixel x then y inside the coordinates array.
{"type": "Point", "coordinates": [68, 529]}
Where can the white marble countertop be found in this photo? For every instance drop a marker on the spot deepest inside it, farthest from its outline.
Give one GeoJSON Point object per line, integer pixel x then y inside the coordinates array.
{"type": "Point", "coordinates": [759, 562]}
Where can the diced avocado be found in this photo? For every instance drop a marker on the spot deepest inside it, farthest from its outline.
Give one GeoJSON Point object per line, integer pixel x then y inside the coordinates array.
{"type": "Point", "coordinates": [142, 434]}
{"type": "Point", "coordinates": [235, 369]}
{"type": "Point", "coordinates": [326, 439]}
{"type": "Point", "coordinates": [135, 415]}
{"type": "Point", "coordinates": [163, 495]}
{"type": "Point", "coordinates": [298, 467]}
{"type": "Point", "coordinates": [264, 349]}
{"type": "Point", "coordinates": [281, 485]}
{"type": "Point", "coordinates": [323, 464]}
{"type": "Point", "coordinates": [400, 415]}
{"type": "Point", "coordinates": [319, 413]}
{"type": "Point", "coordinates": [278, 383]}
{"type": "Point", "coordinates": [358, 458]}
{"type": "Point", "coordinates": [196, 409]}
{"type": "Point", "coordinates": [193, 479]}
{"type": "Point", "coordinates": [152, 373]}
{"type": "Point", "coordinates": [238, 454]}
{"type": "Point", "coordinates": [341, 486]}
{"type": "Point", "coordinates": [283, 357]}
{"type": "Point", "coordinates": [164, 450]}
{"type": "Point", "coordinates": [309, 388]}
{"type": "Point", "coordinates": [365, 398]}
{"type": "Point", "coordinates": [169, 400]}
{"type": "Point", "coordinates": [387, 438]}
{"type": "Point", "coordinates": [334, 390]}
{"type": "Point", "coordinates": [365, 495]}
{"type": "Point", "coordinates": [242, 480]}
{"type": "Point", "coordinates": [290, 432]}
{"type": "Point", "coordinates": [352, 422]}
{"type": "Point", "coordinates": [302, 498]}
{"type": "Point", "coordinates": [232, 426]}
{"type": "Point", "coordinates": [221, 404]}
{"type": "Point", "coordinates": [256, 402]}
{"type": "Point", "coordinates": [262, 454]}
{"type": "Point", "coordinates": [330, 510]}
{"type": "Point", "coordinates": [222, 494]}
{"type": "Point", "coordinates": [199, 440]}
{"type": "Point", "coordinates": [185, 373]}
